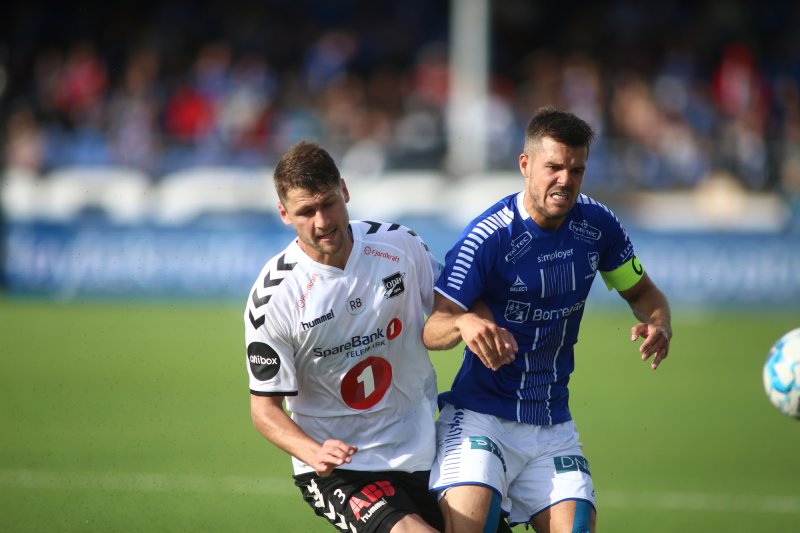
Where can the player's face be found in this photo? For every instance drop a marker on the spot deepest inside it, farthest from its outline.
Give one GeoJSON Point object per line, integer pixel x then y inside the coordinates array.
{"type": "Point", "coordinates": [553, 176]}
{"type": "Point", "coordinates": [321, 223]}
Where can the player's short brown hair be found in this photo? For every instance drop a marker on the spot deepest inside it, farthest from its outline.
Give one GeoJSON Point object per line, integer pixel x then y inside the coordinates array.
{"type": "Point", "coordinates": [308, 166]}
{"type": "Point", "coordinates": [561, 126]}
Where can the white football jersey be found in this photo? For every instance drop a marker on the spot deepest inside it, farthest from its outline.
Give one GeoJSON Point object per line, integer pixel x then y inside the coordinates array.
{"type": "Point", "coordinates": [345, 346]}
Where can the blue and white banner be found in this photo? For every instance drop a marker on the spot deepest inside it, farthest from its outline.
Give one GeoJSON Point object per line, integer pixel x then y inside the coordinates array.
{"type": "Point", "coordinates": [74, 260]}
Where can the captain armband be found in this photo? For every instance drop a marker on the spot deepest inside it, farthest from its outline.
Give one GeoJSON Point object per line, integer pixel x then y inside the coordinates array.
{"type": "Point", "coordinates": [625, 276]}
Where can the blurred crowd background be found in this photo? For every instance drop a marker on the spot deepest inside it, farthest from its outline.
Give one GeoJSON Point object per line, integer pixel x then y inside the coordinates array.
{"type": "Point", "coordinates": [678, 91]}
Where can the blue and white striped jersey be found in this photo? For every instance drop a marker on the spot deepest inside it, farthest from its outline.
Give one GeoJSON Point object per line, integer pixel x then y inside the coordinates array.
{"type": "Point", "coordinates": [536, 283]}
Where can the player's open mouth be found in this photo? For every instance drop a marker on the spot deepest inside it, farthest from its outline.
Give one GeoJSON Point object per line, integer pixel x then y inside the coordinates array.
{"type": "Point", "coordinates": [560, 196]}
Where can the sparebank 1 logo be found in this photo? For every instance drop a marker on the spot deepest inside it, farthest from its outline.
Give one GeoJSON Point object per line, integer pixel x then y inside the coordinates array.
{"type": "Point", "coordinates": [394, 328]}
{"type": "Point", "coordinates": [264, 361]}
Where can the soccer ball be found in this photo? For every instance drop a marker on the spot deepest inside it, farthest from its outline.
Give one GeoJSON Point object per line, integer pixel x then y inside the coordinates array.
{"type": "Point", "coordinates": [782, 374]}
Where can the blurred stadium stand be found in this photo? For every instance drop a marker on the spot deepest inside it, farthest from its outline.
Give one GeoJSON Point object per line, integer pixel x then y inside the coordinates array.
{"type": "Point", "coordinates": [189, 194]}
{"type": "Point", "coordinates": [157, 126]}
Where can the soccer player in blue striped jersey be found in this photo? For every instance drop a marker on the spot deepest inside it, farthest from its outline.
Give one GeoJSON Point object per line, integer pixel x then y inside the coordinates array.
{"type": "Point", "coordinates": [506, 440]}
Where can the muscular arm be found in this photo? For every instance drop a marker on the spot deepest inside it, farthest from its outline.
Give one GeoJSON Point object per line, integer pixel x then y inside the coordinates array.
{"type": "Point", "coordinates": [449, 324]}
{"type": "Point", "coordinates": [650, 306]}
{"type": "Point", "coordinates": [276, 426]}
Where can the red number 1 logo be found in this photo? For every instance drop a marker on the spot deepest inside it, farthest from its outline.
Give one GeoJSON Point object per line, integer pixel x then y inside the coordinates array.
{"type": "Point", "coordinates": [366, 383]}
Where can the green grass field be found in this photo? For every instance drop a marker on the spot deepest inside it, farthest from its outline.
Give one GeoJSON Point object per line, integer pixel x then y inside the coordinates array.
{"type": "Point", "coordinates": [134, 417]}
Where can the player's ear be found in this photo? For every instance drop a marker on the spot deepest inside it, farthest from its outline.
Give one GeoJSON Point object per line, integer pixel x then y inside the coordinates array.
{"type": "Point", "coordinates": [284, 214]}
{"type": "Point", "coordinates": [345, 192]}
{"type": "Point", "coordinates": [524, 161]}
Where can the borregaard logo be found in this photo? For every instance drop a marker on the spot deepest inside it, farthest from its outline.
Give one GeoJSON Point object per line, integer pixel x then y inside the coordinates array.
{"type": "Point", "coordinates": [517, 311]}
{"type": "Point", "coordinates": [557, 313]}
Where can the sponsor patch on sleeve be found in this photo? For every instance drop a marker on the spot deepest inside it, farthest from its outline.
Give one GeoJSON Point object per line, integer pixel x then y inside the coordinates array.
{"type": "Point", "coordinates": [625, 276]}
{"type": "Point", "coordinates": [264, 361]}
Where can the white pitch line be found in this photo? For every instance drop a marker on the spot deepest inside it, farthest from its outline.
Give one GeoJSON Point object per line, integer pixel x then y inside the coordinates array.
{"type": "Point", "coordinates": [149, 482]}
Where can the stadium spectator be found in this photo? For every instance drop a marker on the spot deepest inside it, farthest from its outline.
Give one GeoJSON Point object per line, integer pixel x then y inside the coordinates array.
{"type": "Point", "coordinates": [703, 101]}
{"type": "Point", "coordinates": [134, 113]}
{"type": "Point", "coordinates": [25, 142]}
{"type": "Point", "coordinates": [506, 440]}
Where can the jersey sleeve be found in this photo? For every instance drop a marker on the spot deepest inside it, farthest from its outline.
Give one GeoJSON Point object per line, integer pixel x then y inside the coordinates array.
{"type": "Point", "coordinates": [466, 266]}
{"type": "Point", "coordinates": [429, 270]}
{"type": "Point", "coordinates": [619, 267]}
{"type": "Point", "coordinates": [625, 276]}
{"type": "Point", "coordinates": [270, 352]}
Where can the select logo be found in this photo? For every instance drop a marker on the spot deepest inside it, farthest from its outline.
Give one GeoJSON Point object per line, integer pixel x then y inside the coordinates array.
{"type": "Point", "coordinates": [264, 361]}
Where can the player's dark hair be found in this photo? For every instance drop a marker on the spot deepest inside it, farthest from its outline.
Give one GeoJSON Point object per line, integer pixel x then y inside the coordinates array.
{"type": "Point", "coordinates": [307, 166]}
{"type": "Point", "coordinates": [561, 126]}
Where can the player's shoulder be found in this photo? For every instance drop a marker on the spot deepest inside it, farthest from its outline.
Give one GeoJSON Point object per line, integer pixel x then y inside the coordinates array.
{"type": "Point", "coordinates": [499, 214]}
{"type": "Point", "coordinates": [373, 228]}
{"type": "Point", "coordinates": [493, 221]}
{"type": "Point", "coordinates": [590, 208]}
{"type": "Point", "coordinates": [386, 233]}
{"type": "Point", "coordinates": [271, 280]}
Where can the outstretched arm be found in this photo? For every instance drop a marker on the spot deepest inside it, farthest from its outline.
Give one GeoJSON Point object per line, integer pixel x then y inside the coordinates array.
{"type": "Point", "coordinates": [274, 424]}
{"type": "Point", "coordinates": [651, 307]}
{"type": "Point", "coordinates": [449, 324]}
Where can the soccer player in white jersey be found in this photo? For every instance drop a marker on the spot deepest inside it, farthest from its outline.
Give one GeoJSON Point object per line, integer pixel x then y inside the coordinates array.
{"type": "Point", "coordinates": [506, 440]}
{"type": "Point", "coordinates": [333, 326]}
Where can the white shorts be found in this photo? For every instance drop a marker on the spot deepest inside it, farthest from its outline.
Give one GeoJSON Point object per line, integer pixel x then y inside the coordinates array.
{"type": "Point", "coordinates": [531, 467]}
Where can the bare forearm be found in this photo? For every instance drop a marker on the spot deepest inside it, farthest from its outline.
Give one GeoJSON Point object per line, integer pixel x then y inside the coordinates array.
{"type": "Point", "coordinates": [648, 303]}
{"type": "Point", "coordinates": [650, 306]}
{"type": "Point", "coordinates": [441, 332]}
{"type": "Point", "coordinates": [276, 426]}
{"type": "Point", "coordinates": [653, 308]}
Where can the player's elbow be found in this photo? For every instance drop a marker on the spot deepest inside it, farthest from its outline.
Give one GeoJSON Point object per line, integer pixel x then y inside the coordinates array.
{"type": "Point", "coordinates": [257, 420]}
